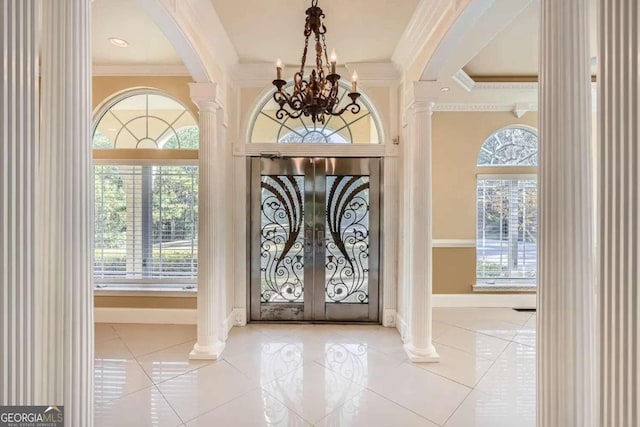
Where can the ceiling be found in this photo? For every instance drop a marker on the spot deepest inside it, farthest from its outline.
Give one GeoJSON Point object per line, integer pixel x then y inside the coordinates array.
{"type": "Point", "coordinates": [359, 30]}
{"type": "Point", "coordinates": [514, 51]}
{"type": "Point", "coordinates": [124, 19]}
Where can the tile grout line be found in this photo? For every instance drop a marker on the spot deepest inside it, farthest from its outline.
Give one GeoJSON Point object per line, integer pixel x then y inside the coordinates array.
{"type": "Point", "coordinates": [474, 387]}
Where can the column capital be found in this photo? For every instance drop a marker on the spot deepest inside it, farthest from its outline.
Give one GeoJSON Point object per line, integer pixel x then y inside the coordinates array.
{"type": "Point", "coordinates": [207, 96]}
{"type": "Point", "coordinates": [421, 96]}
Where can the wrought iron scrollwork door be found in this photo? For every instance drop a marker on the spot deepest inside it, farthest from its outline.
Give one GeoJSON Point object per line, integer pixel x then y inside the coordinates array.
{"type": "Point", "coordinates": [315, 239]}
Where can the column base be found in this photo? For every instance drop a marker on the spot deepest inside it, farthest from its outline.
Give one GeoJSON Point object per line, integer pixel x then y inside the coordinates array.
{"type": "Point", "coordinates": [209, 352]}
{"type": "Point", "coordinates": [422, 355]}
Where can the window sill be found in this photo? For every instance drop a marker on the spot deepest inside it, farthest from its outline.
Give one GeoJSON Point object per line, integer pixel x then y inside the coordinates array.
{"type": "Point", "coordinates": [145, 291]}
{"type": "Point", "coordinates": [504, 287]}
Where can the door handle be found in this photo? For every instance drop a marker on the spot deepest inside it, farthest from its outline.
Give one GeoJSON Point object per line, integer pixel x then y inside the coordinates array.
{"type": "Point", "coordinates": [320, 240]}
{"type": "Point", "coordinates": [308, 239]}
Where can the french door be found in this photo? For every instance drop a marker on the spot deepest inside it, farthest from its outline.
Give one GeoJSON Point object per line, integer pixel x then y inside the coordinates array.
{"type": "Point", "coordinates": [315, 225]}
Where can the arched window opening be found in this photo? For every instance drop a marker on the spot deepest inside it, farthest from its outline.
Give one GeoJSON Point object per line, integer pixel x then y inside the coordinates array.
{"type": "Point", "coordinates": [506, 244]}
{"type": "Point", "coordinates": [348, 128]}
{"type": "Point", "coordinates": [144, 120]}
{"type": "Point", "coordinates": [313, 136]}
{"type": "Point", "coordinates": [146, 204]}
{"type": "Point", "coordinates": [511, 146]}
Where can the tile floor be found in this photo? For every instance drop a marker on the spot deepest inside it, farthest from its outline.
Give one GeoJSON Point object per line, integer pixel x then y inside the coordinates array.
{"type": "Point", "coordinates": [321, 375]}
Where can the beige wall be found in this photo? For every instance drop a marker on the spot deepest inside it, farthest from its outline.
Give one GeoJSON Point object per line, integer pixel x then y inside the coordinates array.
{"type": "Point", "coordinates": [457, 138]}
{"type": "Point", "coordinates": [106, 87]}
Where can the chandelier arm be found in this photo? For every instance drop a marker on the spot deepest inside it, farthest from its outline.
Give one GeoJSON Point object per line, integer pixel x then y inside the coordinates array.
{"type": "Point", "coordinates": [282, 113]}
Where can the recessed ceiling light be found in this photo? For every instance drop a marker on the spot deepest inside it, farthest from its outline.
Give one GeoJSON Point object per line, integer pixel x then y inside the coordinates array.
{"type": "Point", "coordinates": [445, 89]}
{"type": "Point", "coordinates": [118, 42]}
{"type": "Point", "coordinates": [593, 60]}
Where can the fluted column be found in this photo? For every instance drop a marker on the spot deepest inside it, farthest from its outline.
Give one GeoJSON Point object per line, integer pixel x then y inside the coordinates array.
{"type": "Point", "coordinates": [619, 212]}
{"type": "Point", "coordinates": [212, 248]}
{"type": "Point", "coordinates": [566, 273]}
{"type": "Point", "coordinates": [418, 342]}
{"type": "Point", "coordinates": [19, 118]}
{"type": "Point", "coordinates": [65, 227]}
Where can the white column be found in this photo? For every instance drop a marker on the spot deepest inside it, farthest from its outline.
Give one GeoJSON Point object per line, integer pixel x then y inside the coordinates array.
{"type": "Point", "coordinates": [419, 343]}
{"type": "Point", "coordinates": [65, 227]}
{"type": "Point", "coordinates": [19, 118]}
{"type": "Point", "coordinates": [212, 249]}
{"type": "Point", "coordinates": [566, 273]}
{"type": "Point", "coordinates": [619, 212]}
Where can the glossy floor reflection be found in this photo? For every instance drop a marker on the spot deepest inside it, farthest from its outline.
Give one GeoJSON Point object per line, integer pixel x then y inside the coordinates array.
{"type": "Point", "coordinates": [321, 375]}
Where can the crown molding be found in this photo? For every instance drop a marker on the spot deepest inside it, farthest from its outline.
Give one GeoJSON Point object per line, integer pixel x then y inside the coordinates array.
{"type": "Point", "coordinates": [505, 86]}
{"type": "Point", "coordinates": [464, 80]}
{"type": "Point", "coordinates": [480, 107]}
{"type": "Point", "coordinates": [140, 70]}
{"type": "Point", "coordinates": [419, 30]}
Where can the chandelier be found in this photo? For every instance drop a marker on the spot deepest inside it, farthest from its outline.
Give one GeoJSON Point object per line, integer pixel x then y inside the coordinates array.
{"type": "Point", "coordinates": [316, 96]}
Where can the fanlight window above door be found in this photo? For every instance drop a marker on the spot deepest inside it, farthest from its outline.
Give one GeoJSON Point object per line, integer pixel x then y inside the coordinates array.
{"type": "Point", "coordinates": [349, 128]}
{"type": "Point", "coordinates": [146, 120]}
{"type": "Point", "coordinates": [511, 146]}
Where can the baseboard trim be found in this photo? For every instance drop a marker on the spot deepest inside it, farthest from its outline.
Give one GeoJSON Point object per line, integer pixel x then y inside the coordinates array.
{"type": "Point", "coordinates": [484, 300]}
{"type": "Point", "coordinates": [401, 326]}
{"type": "Point", "coordinates": [389, 318]}
{"type": "Point", "coordinates": [169, 316]}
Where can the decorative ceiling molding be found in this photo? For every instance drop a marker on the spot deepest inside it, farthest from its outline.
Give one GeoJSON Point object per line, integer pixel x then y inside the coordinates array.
{"type": "Point", "coordinates": [474, 107]}
{"type": "Point", "coordinates": [139, 70]}
{"type": "Point", "coordinates": [202, 23]}
{"type": "Point", "coordinates": [163, 14]}
{"type": "Point", "coordinates": [464, 80]}
{"type": "Point", "coordinates": [521, 108]}
{"type": "Point", "coordinates": [419, 30]}
{"type": "Point", "coordinates": [506, 86]}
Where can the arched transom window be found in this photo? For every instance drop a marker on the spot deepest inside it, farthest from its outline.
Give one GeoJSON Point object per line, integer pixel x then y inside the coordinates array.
{"type": "Point", "coordinates": [146, 120]}
{"type": "Point", "coordinates": [511, 146]}
{"type": "Point", "coordinates": [348, 128]}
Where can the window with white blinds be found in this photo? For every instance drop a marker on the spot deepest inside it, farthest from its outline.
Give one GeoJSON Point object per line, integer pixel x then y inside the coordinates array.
{"type": "Point", "coordinates": [145, 151]}
{"type": "Point", "coordinates": [507, 229]}
{"type": "Point", "coordinates": [146, 223]}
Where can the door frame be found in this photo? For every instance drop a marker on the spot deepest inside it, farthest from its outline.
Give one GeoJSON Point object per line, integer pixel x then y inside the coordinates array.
{"type": "Point", "coordinates": [375, 166]}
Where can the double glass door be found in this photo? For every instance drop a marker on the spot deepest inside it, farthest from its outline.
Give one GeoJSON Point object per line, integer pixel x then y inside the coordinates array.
{"type": "Point", "coordinates": [315, 239]}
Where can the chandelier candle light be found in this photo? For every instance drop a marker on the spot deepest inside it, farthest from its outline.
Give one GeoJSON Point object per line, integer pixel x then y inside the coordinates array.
{"type": "Point", "coordinates": [317, 95]}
